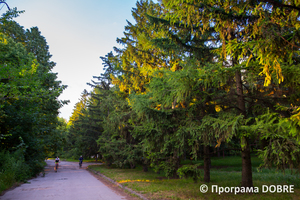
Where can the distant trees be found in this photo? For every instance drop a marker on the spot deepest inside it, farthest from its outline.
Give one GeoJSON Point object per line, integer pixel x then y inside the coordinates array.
{"type": "Point", "coordinates": [82, 131]}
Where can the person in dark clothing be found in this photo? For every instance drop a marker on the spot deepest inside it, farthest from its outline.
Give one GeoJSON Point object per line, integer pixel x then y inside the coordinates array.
{"type": "Point", "coordinates": [80, 161]}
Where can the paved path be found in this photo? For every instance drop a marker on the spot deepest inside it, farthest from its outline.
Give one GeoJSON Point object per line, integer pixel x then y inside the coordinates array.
{"type": "Point", "coordinates": [69, 183]}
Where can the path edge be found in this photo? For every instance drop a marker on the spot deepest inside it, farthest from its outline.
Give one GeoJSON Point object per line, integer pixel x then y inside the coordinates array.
{"type": "Point", "coordinates": [118, 184]}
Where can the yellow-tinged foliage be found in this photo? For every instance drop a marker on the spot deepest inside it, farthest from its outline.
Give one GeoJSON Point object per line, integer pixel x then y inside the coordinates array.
{"type": "Point", "coordinates": [3, 40]}
{"type": "Point", "coordinates": [182, 104]}
{"type": "Point", "coordinates": [158, 107]}
{"type": "Point", "coordinates": [268, 74]}
{"type": "Point", "coordinates": [211, 103]}
{"type": "Point", "coordinates": [219, 141]}
{"type": "Point", "coordinates": [296, 117]}
{"type": "Point", "coordinates": [194, 100]}
{"type": "Point", "coordinates": [218, 108]}
{"type": "Point", "coordinates": [33, 69]}
{"type": "Point", "coordinates": [190, 104]}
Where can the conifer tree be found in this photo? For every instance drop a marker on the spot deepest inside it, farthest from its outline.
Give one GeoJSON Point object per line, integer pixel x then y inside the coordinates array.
{"type": "Point", "coordinates": [230, 24]}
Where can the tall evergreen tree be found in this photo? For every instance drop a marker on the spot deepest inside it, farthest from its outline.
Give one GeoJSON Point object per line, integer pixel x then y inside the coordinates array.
{"type": "Point", "coordinates": [233, 24]}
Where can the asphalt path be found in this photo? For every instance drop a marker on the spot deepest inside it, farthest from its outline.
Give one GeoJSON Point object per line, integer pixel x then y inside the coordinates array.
{"type": "Point", "coordinates": [69, 183]}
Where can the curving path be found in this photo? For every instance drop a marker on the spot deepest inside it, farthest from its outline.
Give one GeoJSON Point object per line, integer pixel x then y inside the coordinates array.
{"type": "Point", "coordinates": [69, 183]}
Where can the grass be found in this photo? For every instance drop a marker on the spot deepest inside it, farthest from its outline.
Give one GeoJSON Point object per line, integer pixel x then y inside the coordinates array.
{"type": "Point", "coordinates": [225, 172]}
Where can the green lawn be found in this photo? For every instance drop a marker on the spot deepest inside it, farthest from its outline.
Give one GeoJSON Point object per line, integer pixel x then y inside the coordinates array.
{"type": "Point", "coordinates": [225, 172]}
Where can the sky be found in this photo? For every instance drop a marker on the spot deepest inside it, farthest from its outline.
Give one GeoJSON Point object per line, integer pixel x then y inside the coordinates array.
{"type": "Point", "coordinates": [78, 33]}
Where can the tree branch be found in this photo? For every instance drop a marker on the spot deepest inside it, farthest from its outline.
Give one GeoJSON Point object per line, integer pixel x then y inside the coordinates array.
{"type": "Point", "coordinates": [277, 4]}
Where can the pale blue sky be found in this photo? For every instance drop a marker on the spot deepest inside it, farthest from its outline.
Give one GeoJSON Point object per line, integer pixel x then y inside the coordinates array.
{"type": "Point", "coordinates": [78, 33]}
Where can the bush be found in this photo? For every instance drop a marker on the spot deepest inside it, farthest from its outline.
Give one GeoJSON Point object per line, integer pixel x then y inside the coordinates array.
{"type": "Point", "coordinates": [189, 171]}
{"type": "Point", "coordinates": [15, 163]}
{"type": "Point", "coordinates": [13, 168]}
{"type": "Point", "coordinates": [6, 180]}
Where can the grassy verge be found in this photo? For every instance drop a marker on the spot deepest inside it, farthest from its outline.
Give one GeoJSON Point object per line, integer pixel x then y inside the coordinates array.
{"type": "Point", "coordinates": [224, 173]}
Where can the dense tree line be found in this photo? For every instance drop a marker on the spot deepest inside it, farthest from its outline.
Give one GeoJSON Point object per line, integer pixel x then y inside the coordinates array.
{"type": "Point", "coordinates": [29, 124]}
{"type": "Point", "coordinates": [196, 76]}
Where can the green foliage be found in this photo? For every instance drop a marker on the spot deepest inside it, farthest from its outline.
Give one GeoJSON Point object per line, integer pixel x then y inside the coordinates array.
{"type": "Point", "coordinates": [190, 171]}
{"type": "Point", "coordinates": [194, 74]}
{"type": "Point", "coordinates": [84, 128]}
{"type": "Point", "coordinates": [28, 101]}
{"type": "Point", "coordinates": [283, 145]}
{"type": "Point", "coordinates": [120, 153]}
{"type": "Point", "coordinates": [14, 168]}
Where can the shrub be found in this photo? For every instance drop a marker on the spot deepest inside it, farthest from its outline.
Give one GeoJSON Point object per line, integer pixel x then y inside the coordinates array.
{"type": "Point", "coordinates": [189, 171]}
{"type": "Point", "coordinates": [6, 180]}
{"type": "Point", "coordinates": [13, 168]}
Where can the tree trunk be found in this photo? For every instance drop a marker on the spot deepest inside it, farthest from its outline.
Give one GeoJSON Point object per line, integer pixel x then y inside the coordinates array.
{"type": "Point", "coordinates": [176, 161]}
{"type": "Point", "coordinates": [184, 154]}
{"type": "Point", "coordinates": [246, 166]}
{"type": "Point", "coordinates": [145, 168]}
{"type": "Point", "coordinates": [132, 165]}
{"type": "Point", "coordinates": [246, 157]}
{"type": "Point", "coordinates": [206, 164]}
{"type": "Point", "coordinates": [239, 91]}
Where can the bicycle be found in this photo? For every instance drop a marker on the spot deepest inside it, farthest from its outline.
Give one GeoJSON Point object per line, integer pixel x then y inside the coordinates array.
{"type": "Point", "coordinates": [56, 166]}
